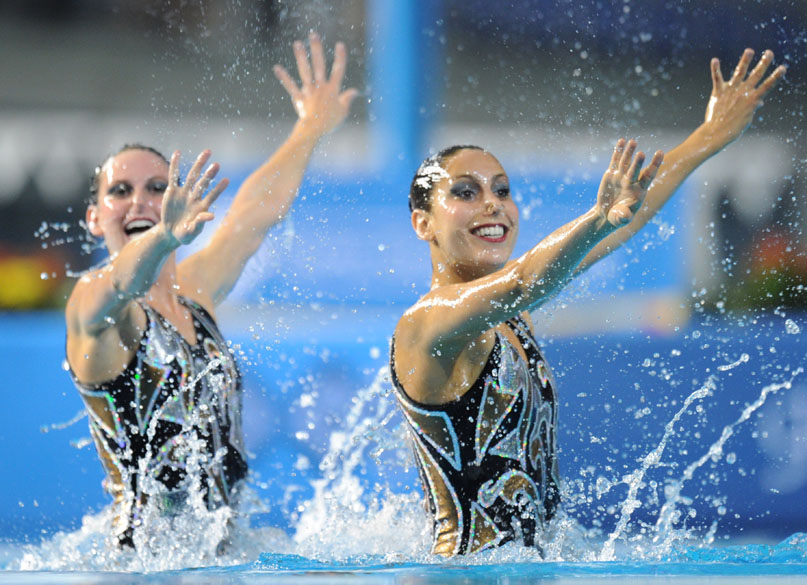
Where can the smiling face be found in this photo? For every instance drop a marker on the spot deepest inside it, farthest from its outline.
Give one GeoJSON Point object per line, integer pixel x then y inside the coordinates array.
{"type": "Point", "coordinates": [472, 223]}
{"type": "Point", "coordinates": [129, 201]}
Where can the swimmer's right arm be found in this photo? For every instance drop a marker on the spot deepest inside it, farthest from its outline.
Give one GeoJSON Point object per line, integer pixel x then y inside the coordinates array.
{"type": "Point", "coordinates": [449, 317]}
{"type": "Point", "coordinates": [102, 298]}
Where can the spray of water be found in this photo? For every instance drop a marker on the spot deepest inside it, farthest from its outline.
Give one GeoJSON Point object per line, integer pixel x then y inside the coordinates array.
{"type": "Point", "coordinates": [351, 518]}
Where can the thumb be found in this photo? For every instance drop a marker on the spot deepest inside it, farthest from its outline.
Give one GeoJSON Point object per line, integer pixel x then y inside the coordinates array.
{"type": "Point", "coordinates": [347, 97]}
{"type": "Point", "coordinates": [619, 215]}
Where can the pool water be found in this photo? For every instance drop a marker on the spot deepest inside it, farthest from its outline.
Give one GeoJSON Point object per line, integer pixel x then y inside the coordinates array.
{"type": "Point", "coordinates": [656, 516]}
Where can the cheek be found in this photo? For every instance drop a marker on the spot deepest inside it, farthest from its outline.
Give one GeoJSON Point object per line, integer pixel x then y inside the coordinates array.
{"type": "Point", "coordinates": [109, 205]}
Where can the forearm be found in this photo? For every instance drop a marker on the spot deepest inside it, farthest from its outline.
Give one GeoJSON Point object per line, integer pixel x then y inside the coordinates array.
{"type": "Point", "coordinates": [549, 266]}
{"type": "Point", "coordinates": [267, 194]}
{"type": "Point", "coordinates": [678, 164]}
{"type": "Point", "coordinates": [134, 270]}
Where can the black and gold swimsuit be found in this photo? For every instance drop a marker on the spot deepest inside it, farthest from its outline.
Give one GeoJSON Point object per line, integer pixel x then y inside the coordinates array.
{"type": "Point", "coordinates": [488, 460]}
{"type": "Point", "coordinates": [175, 405]}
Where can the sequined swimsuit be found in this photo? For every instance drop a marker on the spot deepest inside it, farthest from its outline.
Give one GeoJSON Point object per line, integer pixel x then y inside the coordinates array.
{"type": "Point", "coordinates": [174, 405]}
{"type": "Point", "coordinates": [487, 460]}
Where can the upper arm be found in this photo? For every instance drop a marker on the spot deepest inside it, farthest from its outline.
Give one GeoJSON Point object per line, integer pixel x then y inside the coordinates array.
{"type": "Point", "coordinates": [211, 273]}
{"type": "Point", "coordinates": [95, 305]}
{"type": "Point", "coordinates": [102, 334]}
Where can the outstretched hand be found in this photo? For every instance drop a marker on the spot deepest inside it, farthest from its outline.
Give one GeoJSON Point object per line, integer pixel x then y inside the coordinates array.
{"type": "Point", "coordinates": [733, 103]}
{"type": "Point", "coordinates": [186, 207]}
{"type": "Point", "coordinates": [319, 100]}
{"type": "Point", "coordinates": [625, 184]}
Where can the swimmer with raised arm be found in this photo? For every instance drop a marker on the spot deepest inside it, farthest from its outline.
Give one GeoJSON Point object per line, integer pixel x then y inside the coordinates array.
{"type": "Point", "coordinates": [161, 385]}
{"type": "Point", "coordinates": [475, 390]}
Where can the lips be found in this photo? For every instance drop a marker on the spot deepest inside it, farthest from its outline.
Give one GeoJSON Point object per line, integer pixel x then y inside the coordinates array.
{"type": "Point", "coordinates": [495, 232]}
{"type": "Point", "coordinates": [138, 226]}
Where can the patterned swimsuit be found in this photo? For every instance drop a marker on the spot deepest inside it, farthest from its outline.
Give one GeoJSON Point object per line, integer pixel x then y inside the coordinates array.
{"type": "Point", "coordinates": [174, 405]}
{"type": "Point", "coordinates": [487, 460]}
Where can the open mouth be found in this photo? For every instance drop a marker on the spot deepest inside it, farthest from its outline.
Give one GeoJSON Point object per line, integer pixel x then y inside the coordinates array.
{"type": "Point", "coordinates": [138, 226]}
{"type": "Point", "coordinates": [491, 232]}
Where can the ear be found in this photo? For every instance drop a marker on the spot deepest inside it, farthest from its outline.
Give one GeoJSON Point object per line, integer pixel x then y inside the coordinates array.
{"type": "Point", "coordinates": [91, 217]}
{"type": "Point", "coordinates": [422, 224]}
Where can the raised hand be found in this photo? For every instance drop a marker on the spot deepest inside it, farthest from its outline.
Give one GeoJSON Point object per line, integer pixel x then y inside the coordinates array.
{"type": "Point", "coordinates": [185, 207]}
{"type": "Point", "coordinates": [319, 100]}
{"type": "Point", "coordinates": [733, 103]}
{"type": "Point", "coordinates": [624, 185]}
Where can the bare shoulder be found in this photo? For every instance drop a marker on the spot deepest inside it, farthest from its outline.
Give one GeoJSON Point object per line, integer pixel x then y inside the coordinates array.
{"type": "Point", "coordinates": [427, 374]}
{"type": "Point", "coordinates": [98, 352]}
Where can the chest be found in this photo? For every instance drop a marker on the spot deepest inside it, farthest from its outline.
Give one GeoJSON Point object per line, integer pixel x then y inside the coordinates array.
{"type": "Point", "coordinates": [477, 356]}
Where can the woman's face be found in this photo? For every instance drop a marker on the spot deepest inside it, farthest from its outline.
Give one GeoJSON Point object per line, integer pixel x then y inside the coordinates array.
{"type": "Point", "coordinates": [130, 193]}
{"type": "Point", "coordinates": [473, 222]}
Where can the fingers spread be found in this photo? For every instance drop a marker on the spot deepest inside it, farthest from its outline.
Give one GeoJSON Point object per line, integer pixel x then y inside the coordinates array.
{"type": "Point", "coordinates": [617, 155]}
{"type": "Point", "coordinates": [649, 173]}
{"type": "Point", "coordinates": [339, 64]}
{"type": "Point", "coordinates": [215, 192]}
{"type": "Point", "coordinates": [772, 80]}
{"type": "Point", "coordinates": [717, 76]}
{"type": "Point", "coordinates": [317, 58]}
{"type": "Point", "coordinates": [636, 167]}
{"type": "Point", "coordinates": [206, 179]}
{"type": "Point", "coordinates": [627, 156]}
{"type": "Point", "coordinates": [286, 81]}
{"type": "Point", "coordinates": [303, 67]}
{"type": "Point", "coordinates": [761, 67]}
{"type": "Point", "coordinates": [742, 66]}
{"type": "Point", "coordinates": [196, 169]}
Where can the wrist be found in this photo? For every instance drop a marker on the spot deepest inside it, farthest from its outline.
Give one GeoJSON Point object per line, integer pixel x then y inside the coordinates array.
{"type": "Point", "coordinates": [596, 219]}
{"type": "Point", "coordinates": [708, 140]}
{"type": "Point", "coordinates": [166, 238]}
{"type": "Point", "coordinates": [307, 132]}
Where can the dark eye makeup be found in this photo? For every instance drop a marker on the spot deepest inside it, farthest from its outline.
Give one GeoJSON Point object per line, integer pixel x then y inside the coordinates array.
{"type": "Point", "coordinates": [158, 186]}
{"type": "Point", "coordinates": [464, 190]}
{"type": "Point", "coordinates": [502, 190]}
{"type": "Point", "coordinates": [119, 189]}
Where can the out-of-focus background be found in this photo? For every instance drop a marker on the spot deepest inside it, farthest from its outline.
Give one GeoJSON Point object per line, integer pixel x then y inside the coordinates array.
{"type": "Point", "coordinates": [546, 86]}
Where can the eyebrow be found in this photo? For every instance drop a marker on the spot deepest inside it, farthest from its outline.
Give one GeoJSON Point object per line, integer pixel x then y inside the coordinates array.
{"type": "Point", "coordinates": [473, 178]}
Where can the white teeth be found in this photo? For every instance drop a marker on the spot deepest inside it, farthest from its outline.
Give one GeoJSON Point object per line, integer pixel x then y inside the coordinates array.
{"type": "Point", "coordinates": [490, 231]}
{"type": "Point", "coordinates": [139, 225]}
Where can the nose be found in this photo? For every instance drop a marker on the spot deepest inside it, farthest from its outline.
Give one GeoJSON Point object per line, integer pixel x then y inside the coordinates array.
{"type": "Point", "coordinates": [493, 205]}
{"type": "Point", "coordinates": [140, 197]}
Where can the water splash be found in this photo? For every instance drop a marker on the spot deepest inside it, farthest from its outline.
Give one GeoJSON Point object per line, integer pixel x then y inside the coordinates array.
{"type": "Point", "coordinates": [353, 518]}
{"type": "Point", "coordinates": [635, 479]}
{"type": "Point", "coordinates": [344, 517]}
{"type": "Point", "coordinates": [668, 514]}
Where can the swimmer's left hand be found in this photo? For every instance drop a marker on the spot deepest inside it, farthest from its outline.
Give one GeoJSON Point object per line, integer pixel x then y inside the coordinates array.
{"type": "Point", "coordinates": [319, 100]}
{"type": "Point", "coordinates": [733, 102]}
{"type": "Point", "coordinates": [625, 183]}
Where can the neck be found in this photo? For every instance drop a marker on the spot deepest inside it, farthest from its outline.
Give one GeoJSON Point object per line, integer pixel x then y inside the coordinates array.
{"type": "Point", "coordinates": [446, 273]}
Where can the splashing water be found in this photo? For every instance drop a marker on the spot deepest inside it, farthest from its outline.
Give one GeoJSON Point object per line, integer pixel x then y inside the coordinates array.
{"type": "Point", "coordinates": [351, 519]}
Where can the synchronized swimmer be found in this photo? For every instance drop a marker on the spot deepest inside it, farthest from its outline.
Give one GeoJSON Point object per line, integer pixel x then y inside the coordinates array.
{"type": "Point", "coordinates": [159, 381]}
{"type": "Point", "coordinates": [477, 394]}
{"type": "Point", "coordinates": [161, 384]}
